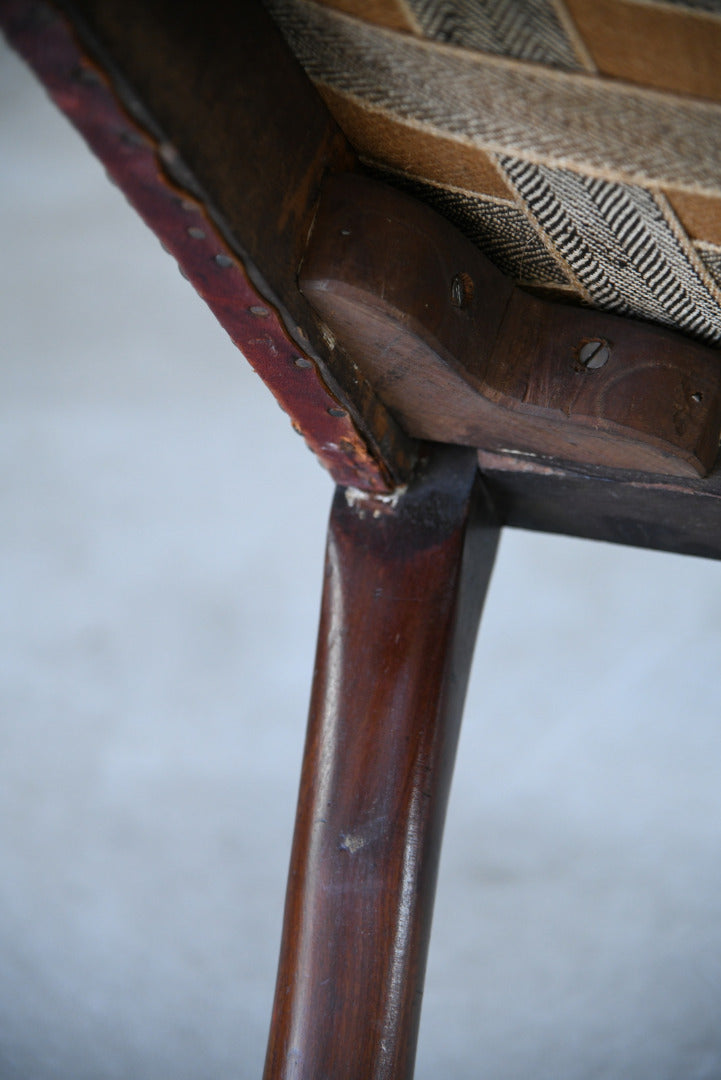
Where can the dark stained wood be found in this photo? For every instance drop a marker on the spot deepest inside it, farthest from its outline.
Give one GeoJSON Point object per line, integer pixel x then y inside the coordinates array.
{"type": "Point", "coordinates": [664, 513]}
{"type": "Point", "coordinates": [462, 356]}
{"type": "Point", "coordinates": [203, 117]}
{"type": "Point", "coordinates": [404, 585]}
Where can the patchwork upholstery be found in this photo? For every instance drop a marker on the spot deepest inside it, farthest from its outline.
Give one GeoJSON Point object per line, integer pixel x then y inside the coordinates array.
{"type": "Point", "coordinates": [577, 142]}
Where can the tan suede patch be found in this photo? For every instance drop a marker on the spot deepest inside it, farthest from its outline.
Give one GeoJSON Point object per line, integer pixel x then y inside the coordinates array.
{"type": "Point", "coordinates": [392, 14]}
{"type": "Point", "coordinates": [700, 215]}
{"type": "Point", "coordinates": [386, 140]}
{"type": "Point", "coordinates": [600, 127]}
{"type": "Point", "coordinates": [653, 45]}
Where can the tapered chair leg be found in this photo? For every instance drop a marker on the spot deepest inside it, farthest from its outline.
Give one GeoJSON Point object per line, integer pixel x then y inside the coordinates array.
{"type": "Point", "coordinates": [404, 585]}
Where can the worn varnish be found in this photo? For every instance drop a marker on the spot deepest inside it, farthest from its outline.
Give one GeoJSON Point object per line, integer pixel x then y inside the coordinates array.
{"type": "Point", "coordinates": [460, 355]}
{"type": "Point", "coordinates": [663, 513]}
{"type": "Point", "coordinates": [404, 585]}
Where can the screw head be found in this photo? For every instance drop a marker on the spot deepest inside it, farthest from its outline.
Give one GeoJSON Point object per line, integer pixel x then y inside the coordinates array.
{"type": "Point", "coordinates": [593, 354]}
{"type": "Point", "coordinates": [461, 290]}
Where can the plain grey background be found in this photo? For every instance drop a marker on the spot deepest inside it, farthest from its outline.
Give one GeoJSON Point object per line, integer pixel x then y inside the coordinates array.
{"type": "Point", "coordinates": [160, 558]}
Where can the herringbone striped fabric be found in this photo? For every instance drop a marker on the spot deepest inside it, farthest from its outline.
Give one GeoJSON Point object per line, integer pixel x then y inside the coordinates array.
{"type": "Point", "coordinates": [527, 29]}
{"type": "Point", "coordinates": [619, 245]}
{"type": "Point", "coordinates": [577, 142]}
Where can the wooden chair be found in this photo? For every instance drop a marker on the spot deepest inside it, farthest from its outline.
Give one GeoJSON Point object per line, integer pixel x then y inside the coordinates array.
{"type": "Point", "coordinates": [446, 393]}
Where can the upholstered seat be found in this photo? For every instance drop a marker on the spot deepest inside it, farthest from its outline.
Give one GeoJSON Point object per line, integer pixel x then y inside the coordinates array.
{"type": "Point", "coordinates": [542, 298]}
{"type": "Point", "coordinates": [578, 144]}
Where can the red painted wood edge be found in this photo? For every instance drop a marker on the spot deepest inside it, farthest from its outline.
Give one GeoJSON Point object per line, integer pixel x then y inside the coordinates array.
{"type": "Point", "coordinates": [133, 157]}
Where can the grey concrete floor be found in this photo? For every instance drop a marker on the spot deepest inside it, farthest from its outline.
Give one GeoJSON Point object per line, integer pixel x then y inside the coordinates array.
{"type": "Point", "coordinates": [160, 555]}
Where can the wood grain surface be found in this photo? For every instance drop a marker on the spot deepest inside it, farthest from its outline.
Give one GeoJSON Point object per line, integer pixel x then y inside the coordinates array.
{"type": "Point", "coordinates": [659, 512]}
{"type": "Point", "coordinates": [404, 586]}
{"type": "Point", "coordinates": [462, 356]}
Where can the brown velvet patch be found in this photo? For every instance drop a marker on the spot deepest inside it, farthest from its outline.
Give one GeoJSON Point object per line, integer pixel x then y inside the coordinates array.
{"type": "Point", "coordinates": [700, 215]}
{"type": "Point", "coordinates": [658, 46]}
{"type": "Point", "coordinates": [392, 14]}
{"type": "Point", "coordinates": [386, 140]}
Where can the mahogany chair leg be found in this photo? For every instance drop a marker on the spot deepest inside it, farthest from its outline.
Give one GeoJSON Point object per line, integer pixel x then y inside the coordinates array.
{"type": "Point", "coordinates": [405, 582]}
